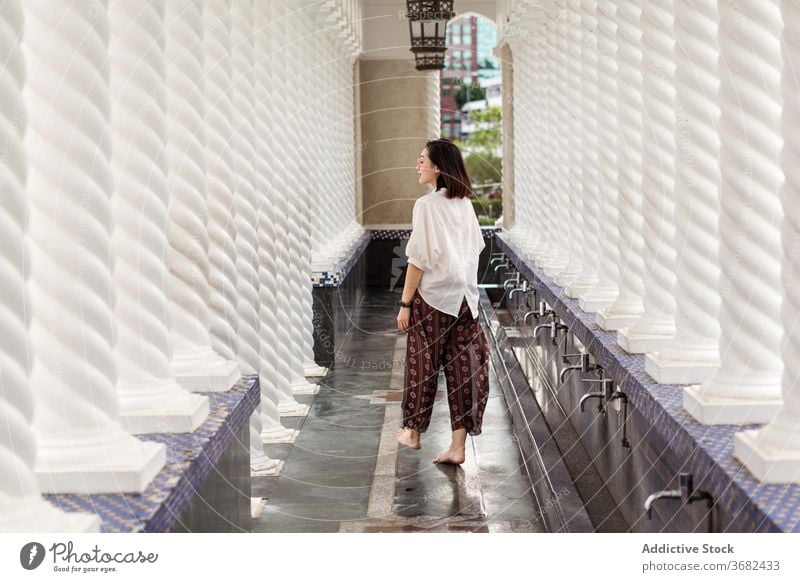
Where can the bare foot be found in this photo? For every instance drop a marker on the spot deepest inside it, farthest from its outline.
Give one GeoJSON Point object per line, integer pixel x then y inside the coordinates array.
{"type": "Point", "coordinates": [406, 436]}
{"type": "Point", "coordinates": [454, 457]}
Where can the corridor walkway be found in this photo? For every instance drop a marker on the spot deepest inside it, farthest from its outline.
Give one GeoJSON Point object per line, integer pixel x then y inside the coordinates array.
{"type": "Point", "coordinates": [345, 473]}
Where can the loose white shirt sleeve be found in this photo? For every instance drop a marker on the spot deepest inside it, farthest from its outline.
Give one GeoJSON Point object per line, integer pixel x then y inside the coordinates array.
{"type": "Point", "coordinates": [445, 243]}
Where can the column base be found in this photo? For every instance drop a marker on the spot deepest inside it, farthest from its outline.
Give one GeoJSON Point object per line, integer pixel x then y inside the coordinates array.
{"type": "Point", "coordinates": [575, 289]}
{"type": "Point", "coordinates": [666, 371]}
{"type": "Point", "coordinates": [613, 321]}
{"type": "Point", "coordinates": [564, 277]}
{"type": "Point", "coordinates": [278, 434]}
{"type": "Point", "coordinates": [168, 410]}
{"type": "Point", "coordinates": [766, 463]}
{"type": "Point", "coordinates": [554, 266]}
{"type": "Point", "coordinates": [292, 408]}
{"type": "Point", "coordinates": [311, 370]}
{"type": "Point", "coordinates": [203, 370]}
{"type": "Point", "coordinates": [711, 409]}
{"type": "Point", "coordinates": [304, 388]}
{"type": "Point", "coordinates": [36, 515]}
{"type": "Point", "coordinates": [262, 465]}
{"type": "Point", "coordinates": [597, 298]}
{"type": "Point", "coordinates": [268, 472]}
{"type": "Point", "coordinates": [98, 463]}
{"type": "Point", "coordinates": [635, 343]}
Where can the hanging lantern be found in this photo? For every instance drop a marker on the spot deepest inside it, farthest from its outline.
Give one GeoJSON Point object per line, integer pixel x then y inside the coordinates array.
{"type": "Point", "coordinates": [427, 21]}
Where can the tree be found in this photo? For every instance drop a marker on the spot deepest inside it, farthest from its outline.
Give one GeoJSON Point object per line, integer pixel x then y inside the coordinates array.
{"type": "Point", "coordinates": [486, 138]}
{"type": "Point", "coordinates": [468, 92]}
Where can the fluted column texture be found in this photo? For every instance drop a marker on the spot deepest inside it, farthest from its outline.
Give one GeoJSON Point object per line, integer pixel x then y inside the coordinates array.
{"type": "Point", "coordinates": [219, 176]}
{"type": "Point", "coordinates": [781, 437]}
{"type": "Point", "coordinates": [72, 332]}
{"type": "Point", "coordinates": [569, 56]}
{"type": "Point", "coordinates": [629, 146]}
{"type": "Point", "coordinates": [750, 208]}
{"type": "Point", "coordinates": [584, 49]}
{"type": "Point", "coordinates": [658, 165]}
{"type": "Point", "coordinates": [195, 363]}
{"type": "Point", "coordinates": [150, 398]}
{"type": "Point", "coordinates": [697, 80]}
{"type": "Point", "coordinates": [545, 138]}
{"type": "Point", "coordinates": [608, 185]}
{"type": "Point", "coordinates": [281, 192]}
{"type": "Point", "coordinates": [21, 506]}
{"type": "Point", "coordinates": [558, 181]}
{"type": "Point", "coordinates": [276, 347]}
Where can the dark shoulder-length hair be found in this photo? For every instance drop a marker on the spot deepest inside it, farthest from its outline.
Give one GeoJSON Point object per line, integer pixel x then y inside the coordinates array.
{"type": "Point", "coordinates": [453, 175]}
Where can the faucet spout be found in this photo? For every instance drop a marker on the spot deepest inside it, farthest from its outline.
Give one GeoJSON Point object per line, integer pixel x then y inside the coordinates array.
{"type": "Point", "coordinates": [667, 494]}
{"type": "Point", "coordinates": [590, 395]}
{"type": "Point", "coordinates": [540, 327]}
{"type": "Point", "coordinates": [565, 371]}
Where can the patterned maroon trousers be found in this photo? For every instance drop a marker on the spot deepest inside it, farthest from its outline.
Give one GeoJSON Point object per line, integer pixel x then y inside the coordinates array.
{"type": "Point", "coordinates": [458, 343]}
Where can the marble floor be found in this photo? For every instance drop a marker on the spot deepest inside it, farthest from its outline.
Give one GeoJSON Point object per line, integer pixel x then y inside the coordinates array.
{"type": "Point", "coordinates": [345, 472]}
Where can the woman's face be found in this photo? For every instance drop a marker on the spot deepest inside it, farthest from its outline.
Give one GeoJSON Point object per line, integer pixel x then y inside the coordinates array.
{"type": "Point", "coordinates": [426, 171]}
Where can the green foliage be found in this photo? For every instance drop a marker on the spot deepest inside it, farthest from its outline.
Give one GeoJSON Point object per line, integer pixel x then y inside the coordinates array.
{"type": "Point", "coordinates": [486, 139]}
{"type": "Point", "coordinates": [468, 92]}
{"type": "Point", "coordinates": [484, 168]}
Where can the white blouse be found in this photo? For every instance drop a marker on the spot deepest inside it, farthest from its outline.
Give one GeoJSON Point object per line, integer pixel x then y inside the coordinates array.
{"type": "Point", "coordinates": [445, 243]}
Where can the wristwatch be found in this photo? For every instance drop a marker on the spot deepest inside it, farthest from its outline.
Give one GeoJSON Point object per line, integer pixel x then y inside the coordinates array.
{"type": "Point", "coordinates": [404, 304]}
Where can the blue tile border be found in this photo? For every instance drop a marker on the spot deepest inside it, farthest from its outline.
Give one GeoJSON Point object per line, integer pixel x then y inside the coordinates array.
{"type": "Point", "coordinates": [401, 233]}
{"type": "Point", "coordinates": [191, 457]}
{"type": "Point", "coordinates": [754, 507]}
{"type": "Point", "coordinates": [336, 277]}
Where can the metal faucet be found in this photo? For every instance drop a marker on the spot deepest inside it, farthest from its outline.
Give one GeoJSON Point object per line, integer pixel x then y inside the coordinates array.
{"type": "Point", "coordinates": [584, 366]}
{"type": "Point", "coordinates": [541, 311]}
{"type": "Point", "coordinates": [603, 394]}
{"type": "Point", "coordinates": [514, 278]}
{"type": "Point", "coordinates": [523, 289]}
{"type": "Point", "coordinates": [496, 257]}
{"type": "Point", "coordinates": [620, 395]}
{"type": "Point", "coordinates": [554, 327]}
{"type": "Point", "coordinates": [685, 493]}
{"type": "Point", "coordinates": [539, 327]}
{"type": "Point", "coordinates": [503, 265]}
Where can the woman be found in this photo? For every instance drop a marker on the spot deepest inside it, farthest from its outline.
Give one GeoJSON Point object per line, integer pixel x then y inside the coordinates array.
{"type": "Point", "coordinates": [439, 307]}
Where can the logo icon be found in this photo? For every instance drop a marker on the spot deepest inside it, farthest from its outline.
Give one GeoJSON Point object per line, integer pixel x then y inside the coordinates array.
{"type": "Point", "coordinates": [31, 555]}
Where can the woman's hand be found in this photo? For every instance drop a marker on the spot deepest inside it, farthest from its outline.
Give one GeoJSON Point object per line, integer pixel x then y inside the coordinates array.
{"type": "Point", "coordinates": [403, 318]}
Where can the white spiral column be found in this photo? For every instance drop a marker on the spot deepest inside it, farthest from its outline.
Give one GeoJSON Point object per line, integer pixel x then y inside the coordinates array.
{"type": "Point", "coordinates": [525, 233]}
{"type": "Point", "coordinates": [557, 218]}
{"type": "Point", "coordinates": [694, 354]}
{"type": "Point", "coordinates": [628, 305]}
{"type": "Point", "coordinates": [150, 398]}
{"type": "Point", "coordinates": [772, 453]}
{"type": "Point", "coordinates": [572, 225]}
{"type": "Point", "coordinates": [280, 195]}
{"type": "Point", "coordinates": [543, 136]}
{"type": "Point", "coordinates": [196, 365]}
{"type": "Point", "coordinates": [82, 446]}
{"type": "Point", "coordinates": [747, 385]}
{"type": "Point", "coordinates": [606, 289]}
{"type": "Point", "coordinates": [222, 273]}
{"type": "Point", "coordinates": [584, 50]}
{"type": "Point", "coordinates": [254, 68]}
{"type": "Point", "coordinates": [21, 506]}
{"type": "Point", "coordinates": [311, 184]}
{"type": "Point", "coordinates": [297, 244]}
{"type": "Point", "coordinates": [656, 326]}
{"type": "Point", "coordinates": [289, 202]}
